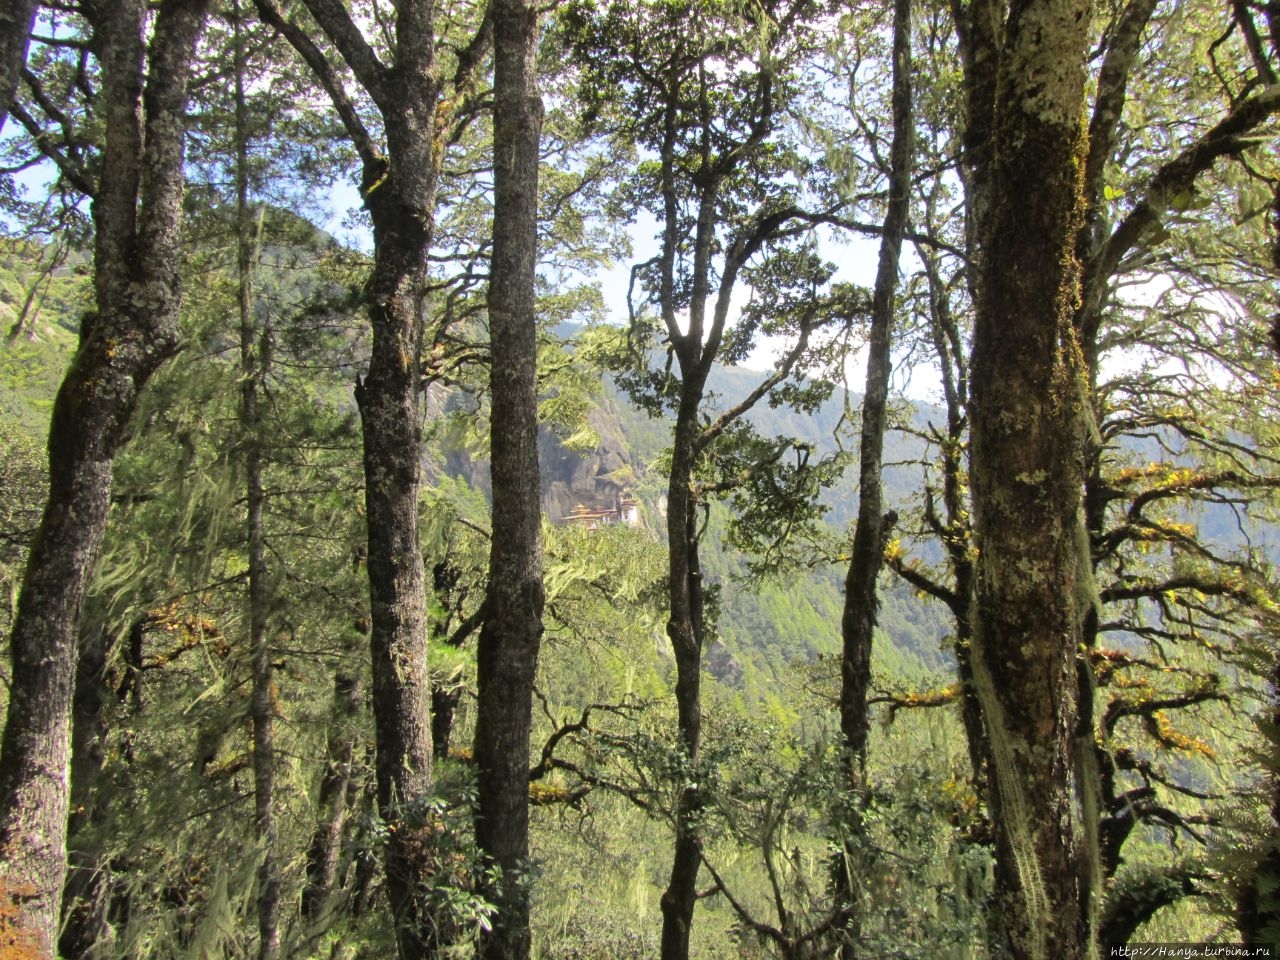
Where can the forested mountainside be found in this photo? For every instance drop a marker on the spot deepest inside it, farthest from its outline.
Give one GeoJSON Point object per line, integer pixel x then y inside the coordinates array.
{"type": "Point", "coordinates": [382, 598]}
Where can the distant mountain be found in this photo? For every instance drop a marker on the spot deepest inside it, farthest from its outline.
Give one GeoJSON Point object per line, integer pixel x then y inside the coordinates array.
{"type": "Point", "coordinates": [761, 628]}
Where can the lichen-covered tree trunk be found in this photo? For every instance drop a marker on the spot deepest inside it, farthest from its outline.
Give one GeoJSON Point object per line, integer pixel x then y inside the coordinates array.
{"type": "Point", "coordinates": [403, 210]}
{"type": "Point", "coordinates": [84, 896]}
{"type": "Point", "coordinates": [134, 328]}
{"type": "Point", "coordinates": [507, 658]}
{"type": "Point", "coordinates": [1029, 388]}
{"type": "Point", "coordinates": [1258, 901]}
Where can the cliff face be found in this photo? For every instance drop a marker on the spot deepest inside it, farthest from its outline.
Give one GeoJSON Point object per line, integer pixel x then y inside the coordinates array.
{"type": "Point", "coordinates": [598, 479]}
{"type": "Point", "coordinates": [594, 481]}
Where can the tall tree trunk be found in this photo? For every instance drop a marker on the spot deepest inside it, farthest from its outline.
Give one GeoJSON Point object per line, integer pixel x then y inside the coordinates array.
{"type": "Point", "coordinates": [399, 190]}
{"type": "Point", "coordinates": [685, 623]}
{"type": "Point", "coordinates": [858, 622]}
{"type": "Point", "coordinates": [1027, 145]}
{"type": "Point", "coordinates": [254, 365]}
{"type": "Point", "coordinates": [388, 401]}
{"type": "Point", "coordinates": [1258, 901]}
{"type": "Point", "coordinates": [507, 658]}
{"type": "Point", "coordinates": [17, 17]}
{"type": "Point", "coordinates": [685, 628]}
{"type": "Point", "coordinates": [136, 212]}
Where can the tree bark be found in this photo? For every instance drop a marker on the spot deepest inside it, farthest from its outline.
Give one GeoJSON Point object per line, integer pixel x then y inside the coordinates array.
{"type": "Point", "coordinates": [84, 921]}
{"type": "Point", "coordinates": [858, 622]}
{"type": "Point", "coordinates": [1026, 86]}
{"type": "Point", "coordinates": [399, 190]}
{"type": "Point", "coordinates": [507, 657]}
{"type": "Point", "coordinates": [324, 853]}
{"type": "Point", "coordinates": [403, 209]}
{"type": "Point", "coordinates": [136, 213]}
{"type": "Point", "coordinates": [687, 633]}
{"type": "Point", "coordinates": [17, 17]}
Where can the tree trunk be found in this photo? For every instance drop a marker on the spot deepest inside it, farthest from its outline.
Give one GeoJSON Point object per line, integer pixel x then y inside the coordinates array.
{"type": "Point", "coordinates": [84, 897]}
{"type": "Point", "coordinates": [388, 401]}
{"type": "Point", "coordinates": [136, 212]}
{"type": "Point", "coordinates": [686, 631]}
{"type": "Point", "coordinates": [399, 190]}
{"type": "Point", "coordinates": [324, 854]}
{"type": "Point", "coordinates": [400, 195]}
{"type": "Point", "coordinates": [444, 708]}
{"type": "Point", "coordinates": [507, 658]}
{"type": "Point", "coordinates": [17, 17]}
{"type": "Point", "coordinates": [1029, 390]}
{"type": "Point", "coordinates": [858, 622]}
{"type": "Point", "coordinates": [954, 524]}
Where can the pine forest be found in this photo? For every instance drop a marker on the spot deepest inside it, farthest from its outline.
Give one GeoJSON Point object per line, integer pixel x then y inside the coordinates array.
{"type": "Point", "coordinates": [652, 480]}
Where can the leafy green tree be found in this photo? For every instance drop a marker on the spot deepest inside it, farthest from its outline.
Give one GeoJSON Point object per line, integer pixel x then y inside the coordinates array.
{"type": "Point", "coordinates": [709, 105]}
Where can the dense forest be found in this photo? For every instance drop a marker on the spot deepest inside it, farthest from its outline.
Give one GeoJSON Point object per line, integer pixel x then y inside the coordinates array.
{"type": "Point", "coordinates": [673, 479]}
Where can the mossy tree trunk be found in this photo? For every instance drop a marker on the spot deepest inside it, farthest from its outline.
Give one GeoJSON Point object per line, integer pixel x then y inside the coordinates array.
{"type": "Point", "coordinates": [1026, 142]}
{"type": "Point", "coordinates": [137, 206]}
{"type": "Point", "coordinates": [84, 897]}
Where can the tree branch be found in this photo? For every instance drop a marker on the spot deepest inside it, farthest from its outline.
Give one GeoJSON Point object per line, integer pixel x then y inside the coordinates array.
{"type": "Point", "coordinates": [1226, 138]}
{"type": "Point", "coordinates": [370, 72]}
{"type": "Point", "coordinates": [368, 151]}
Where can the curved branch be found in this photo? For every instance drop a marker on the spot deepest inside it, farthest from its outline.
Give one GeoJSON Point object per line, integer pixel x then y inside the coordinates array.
{"type": "Point", "coordinates": [1134, 903]}
{"type": "Point", "coordinates": [1227, 137]}
{"type": "Point", "coordinates": [370, 72]}
{"type": "Point", "coordinates": [1119, 708]}
{"type": "Point", "coordinates": [369, 153]}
